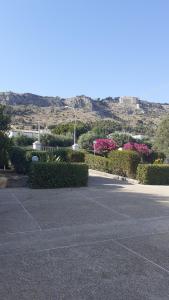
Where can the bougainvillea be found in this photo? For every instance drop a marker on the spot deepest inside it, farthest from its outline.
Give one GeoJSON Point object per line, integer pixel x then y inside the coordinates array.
{"type": "Point", "coordinates": [104, 145]}
{"type": "Point", "coordinates": [140, 148]}
{"type": "Point", "coordinates": [129, 146]}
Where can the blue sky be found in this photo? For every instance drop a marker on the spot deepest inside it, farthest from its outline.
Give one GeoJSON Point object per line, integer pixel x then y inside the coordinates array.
{"type": "Point", "coordinates": [92, 47]}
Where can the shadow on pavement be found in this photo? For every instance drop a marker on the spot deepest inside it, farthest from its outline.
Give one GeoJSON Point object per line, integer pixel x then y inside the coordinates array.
{"type": "Point", "coordinates": [102, 181]}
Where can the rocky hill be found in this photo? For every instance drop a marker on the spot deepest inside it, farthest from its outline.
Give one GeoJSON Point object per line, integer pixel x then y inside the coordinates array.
{"type": "Point", "coordinates": [26, 109]}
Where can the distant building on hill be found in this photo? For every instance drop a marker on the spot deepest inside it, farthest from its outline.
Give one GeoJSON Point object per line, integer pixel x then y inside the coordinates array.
{"type": "Point", "coordinates": [29, 133]}
{"type": "Point", "coordinates": [128, 100]}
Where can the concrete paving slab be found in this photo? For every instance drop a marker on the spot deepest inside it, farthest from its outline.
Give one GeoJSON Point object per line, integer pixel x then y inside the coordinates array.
{"type": "Point", "coordinates": [6, 197]}
{"type": "Point", "coordinates": [130, 201]}
{"type": "Point", "coordinates": [102, 271]}
{"type": "Point", "coordinates": [26, 194]}
{"type": "Point", "coordinates": [13, 219]}
{"type": "Point", "coordinates": [97, 242]}
{"type": "Point", "coordinates": [154, 247]}
{"type": "Point", "coordinates": [66, 212]}
{"type": "Point", "coordinates": [33, 241]}
{"type": "Point", "coordinates": [142, 206]}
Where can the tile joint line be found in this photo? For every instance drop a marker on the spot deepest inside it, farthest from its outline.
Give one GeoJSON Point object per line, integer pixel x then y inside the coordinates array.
{"type": "Point", "coordinates": [25, 210]}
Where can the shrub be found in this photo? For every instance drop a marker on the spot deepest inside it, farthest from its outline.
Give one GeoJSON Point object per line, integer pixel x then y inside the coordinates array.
{"type": "Point", "coordinates": [55, 175]}
{"type": "Point", "coordinates": [23, 140]}
{"type": "Point", "coordinates": [4, 139]}
{"type": "Point", "coordinates": [68, 128]}
{"type": "Point", "coordinates": [140, 148]}
{"type": "Point", "coordinates": [155, 156]}
{"type": "Point", "coordinates": [4, 149]}
{"type": "Point", "coordinates": [161, 142]}
{"type": "Point", "coordinates": [99, 163]}
{"type": "Point", "coordinates": [153, 174]}
{"type": "Point", "coordinates": [17, 156]}
{"type": "Point", "coordinates": [56, 140]}
{"type": "Point", "coordinates": [121, 138]}
{"type": "Point", "coordinates": [42, 155]}
{"type": "Point", "coordinates": [21, 158]}
{"type": "Point", "coordinates": [124, 162]}
{"type": "Point", "coordinates": [104, 127]}
{"type": "Point", "coordinates": [69, 155]}
{"type": "Point", "coordinates": [86, 140]}
{"type": "Point", "coordinates": [5, 119]}
{"type": "Point", "coordinates": [103, 146]}
{"type": "Point", "coordinates": [75, 156]}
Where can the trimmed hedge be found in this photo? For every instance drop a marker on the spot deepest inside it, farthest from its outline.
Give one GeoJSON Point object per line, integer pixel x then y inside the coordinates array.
{"type": "Point", "coordinates": [56, 175]}
{"type": "Point", "coordinates": [21, 158]}
{"type": "Point", "coordinates": [17, 157]}
{"type": "Point", "coordinates": [42, 155]}
{"type": "Point", "coordinates": [69, 155]}
{"type": "Point", "coordinates": [4, 148]}
{"type": "Point", "coordinates": [96, 162]}
{"type": "Point", "coordinates": [124, 162]}
{"type": "Point", "coordinates": [153, 174]}
{"type": "Point", "coordinates": [23, 140]}
{"type": "Point", "coordinates": [56, 140]}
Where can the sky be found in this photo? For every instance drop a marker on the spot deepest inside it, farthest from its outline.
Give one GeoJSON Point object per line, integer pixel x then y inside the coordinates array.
{"type": "Point", "coordinates": [97, 48]}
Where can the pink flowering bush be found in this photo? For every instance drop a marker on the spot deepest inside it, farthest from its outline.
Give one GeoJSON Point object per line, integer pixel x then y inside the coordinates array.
{"type": "Point", "coordinates": [104, 145]}
{"type": "Point", "coordinates": [140, 148]}
{"type": "Point", "coordinates": [129, 146]}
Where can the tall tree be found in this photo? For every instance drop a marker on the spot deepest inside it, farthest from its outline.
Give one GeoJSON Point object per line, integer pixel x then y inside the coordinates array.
{"type": "Point", "coordinates": [105, 127]}
{"type": "Point", "coordinates": [4, 139]}
{"type": "Point", "coordinates": [161, 142]}
{"type": "Point", "coordinates": [4, 119]}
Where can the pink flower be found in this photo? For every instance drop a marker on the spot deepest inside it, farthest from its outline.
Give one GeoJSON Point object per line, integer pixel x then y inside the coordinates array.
{"type": "Point", "coordinates": [140, 148]}
{"type": "Point", "coordinates": [104, 145]}
{"type": "Point", "coordinates": [129, 146]}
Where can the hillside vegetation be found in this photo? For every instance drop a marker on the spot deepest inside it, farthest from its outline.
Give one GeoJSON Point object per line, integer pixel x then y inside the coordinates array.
{"type": "Point", "coordinates": [27, 109]}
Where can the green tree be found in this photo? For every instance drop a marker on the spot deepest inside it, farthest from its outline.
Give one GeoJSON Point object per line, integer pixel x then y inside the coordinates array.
{"type": "Point", "coordinates": [23, 140]}
{"type": "Point", "coordinates": [121, 138]}
{"type": "Point", "coordinates": [161, 142]}
{"type": "Point", "coordinates": [68, 128]}
{"type": "Point", "coordinates": [56, 140]}
{"type": "Point", "coordinates": [85, 141]}
{"type": "Point", "coordinates": [104, 127]}
{"type": "Point", "coordinates": [4, 139]}
{"type": "Point", "coordinates": [4, 119]}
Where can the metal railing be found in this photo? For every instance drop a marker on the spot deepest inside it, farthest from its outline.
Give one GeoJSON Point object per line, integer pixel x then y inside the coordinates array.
{"type": "Point", "coordinates": [49, 149]}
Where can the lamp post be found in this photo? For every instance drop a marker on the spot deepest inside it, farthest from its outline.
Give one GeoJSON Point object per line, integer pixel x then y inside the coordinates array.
{"type": "Point", "coordinates": [74, 146]}
{"type": "Point", "coordinates": [39, 131]}
{"type": "Point", "coordinates": [74, 131]}
{"type": "Point", "coordinates": [37, 144]}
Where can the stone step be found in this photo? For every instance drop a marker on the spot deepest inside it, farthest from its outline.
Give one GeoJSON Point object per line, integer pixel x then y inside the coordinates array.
{"type": "Point", "coordinates": [18, 181]}
{"type": "Point", "coordinates": [13, 180]}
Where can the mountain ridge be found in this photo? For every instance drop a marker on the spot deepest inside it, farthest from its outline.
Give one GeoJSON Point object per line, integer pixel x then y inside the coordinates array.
{"type": "Point", "coordinates": [27, 109]}
{"type": "Point", "coordinates": [10, 98]}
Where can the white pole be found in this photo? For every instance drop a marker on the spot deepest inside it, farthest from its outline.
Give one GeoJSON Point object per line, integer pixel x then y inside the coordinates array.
{"type": "Point", "coordinates": [39, 131]}
{"type": "Point", "coordinates": [74, 126]}
{"type": "Point", "coordinates": [74, 146]}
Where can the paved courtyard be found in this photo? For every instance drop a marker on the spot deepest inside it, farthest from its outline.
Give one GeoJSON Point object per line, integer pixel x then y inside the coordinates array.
{"type": "Point", "coordinates": [105, 241]}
